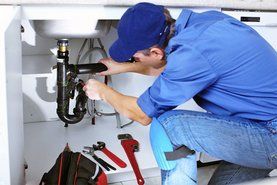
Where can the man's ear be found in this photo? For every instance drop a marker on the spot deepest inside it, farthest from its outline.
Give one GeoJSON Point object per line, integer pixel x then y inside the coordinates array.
{"type": "Point", "coordinates": [157, 52]}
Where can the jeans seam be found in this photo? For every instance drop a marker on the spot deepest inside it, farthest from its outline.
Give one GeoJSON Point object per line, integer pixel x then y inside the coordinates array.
{"type": "Point", "coordinates": [272, 131]}
{"type": "Point", "coordinates": [167, 176]}
{"type": "Point", "coordinates": [193, 137]}
{"type": "Point", "coordinates": [167, 120]}
{"type": "Point", "coordinates": [269, 160]}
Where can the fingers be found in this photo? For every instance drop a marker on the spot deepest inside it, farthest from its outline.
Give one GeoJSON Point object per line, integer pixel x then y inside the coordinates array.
{"type": "Point", "coordinates": [87, 90]}
{"type": "Point", "coordinates": [93, 89]}
{"type": "Point", "coordinates": [84, 88]}
{"type": "Point", "coordinates": [105, 60]}
{"type": "Point", "coordinates": [104, 73]}
{"type": "Point", "coordinates": [88, 84]}
{"type": "Point", "coordinates": [102, 61]}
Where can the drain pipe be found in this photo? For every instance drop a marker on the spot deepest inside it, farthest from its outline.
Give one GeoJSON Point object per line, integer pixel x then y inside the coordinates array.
{"type": "Point", "coordinates": [67, 84]}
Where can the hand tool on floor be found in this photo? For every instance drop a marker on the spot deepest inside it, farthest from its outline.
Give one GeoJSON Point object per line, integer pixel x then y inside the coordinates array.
{"type": "Point", "coordinates": [130, 146]}
{"type": "Point", "coordinates": [102, 147]}
{"type": "Point", "coordinates": [89, 150]}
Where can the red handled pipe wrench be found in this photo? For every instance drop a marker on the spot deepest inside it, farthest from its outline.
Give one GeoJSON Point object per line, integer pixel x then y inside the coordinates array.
{"type": "Point", "coordinates": [102, 147]}
{"type": "Point", "coordinates": [130, 146]}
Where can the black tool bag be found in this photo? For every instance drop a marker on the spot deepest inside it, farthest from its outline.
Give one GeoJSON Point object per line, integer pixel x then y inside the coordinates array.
{"type": "Point", "coordinates": [73, 169]}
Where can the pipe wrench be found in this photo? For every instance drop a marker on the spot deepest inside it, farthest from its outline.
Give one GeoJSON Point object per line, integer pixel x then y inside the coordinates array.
{"type": "Point", "coordinates": [130, 146]}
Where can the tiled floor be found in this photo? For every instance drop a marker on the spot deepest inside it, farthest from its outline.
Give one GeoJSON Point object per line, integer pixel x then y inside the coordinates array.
{"type": "Point", "coordinates": [204, 175]}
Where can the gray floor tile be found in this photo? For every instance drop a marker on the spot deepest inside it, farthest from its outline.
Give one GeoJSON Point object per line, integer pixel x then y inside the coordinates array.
{"type": "Point", "coordinates": [148, 181]}
{"type": "Point", "coordinates": [129, 183]}
{"type": "Point", "coordinates": [118, 183]}
{"type": "Point", "coordinates": [153, 181]}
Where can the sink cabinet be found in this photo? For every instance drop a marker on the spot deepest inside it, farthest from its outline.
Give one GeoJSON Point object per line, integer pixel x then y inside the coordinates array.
{"type": "Point", "coordinates": [40, 139]}
{"type": "Point", "coordinates": [11, 114]}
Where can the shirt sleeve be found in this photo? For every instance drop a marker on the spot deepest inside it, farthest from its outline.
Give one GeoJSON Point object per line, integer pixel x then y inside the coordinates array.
{"type": "Point", "coordinates": [187, 73]}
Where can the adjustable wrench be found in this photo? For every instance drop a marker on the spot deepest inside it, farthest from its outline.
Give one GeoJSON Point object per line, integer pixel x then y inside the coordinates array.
{"type": "Point", "coordinates": [130, 146]}
{"type": "Point", "coordinates": [104, 164]}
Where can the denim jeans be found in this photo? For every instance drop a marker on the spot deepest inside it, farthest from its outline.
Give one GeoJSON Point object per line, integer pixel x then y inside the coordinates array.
{"type": "Point", "coordinates": [248, 148]}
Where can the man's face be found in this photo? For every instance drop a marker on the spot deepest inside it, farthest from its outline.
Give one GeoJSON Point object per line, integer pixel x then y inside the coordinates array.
{"type": "Point", "coordinates": [154, 58]}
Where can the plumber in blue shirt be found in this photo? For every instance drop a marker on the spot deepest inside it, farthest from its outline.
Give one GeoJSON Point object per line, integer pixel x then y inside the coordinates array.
{"type": "Point", "coordinates": [220, 62]}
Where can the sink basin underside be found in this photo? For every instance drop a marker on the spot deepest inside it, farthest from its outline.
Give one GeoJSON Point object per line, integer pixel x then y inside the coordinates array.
{"type": "Point", "coordinates": [66, 29]}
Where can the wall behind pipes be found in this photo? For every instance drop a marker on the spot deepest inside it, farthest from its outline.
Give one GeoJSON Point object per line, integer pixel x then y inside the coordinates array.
{"type": "Point", "coordinates": [39, 81]}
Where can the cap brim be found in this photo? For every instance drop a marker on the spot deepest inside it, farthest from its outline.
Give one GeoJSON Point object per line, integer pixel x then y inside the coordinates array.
{"type": "Point", "coordinates": [120, 52]}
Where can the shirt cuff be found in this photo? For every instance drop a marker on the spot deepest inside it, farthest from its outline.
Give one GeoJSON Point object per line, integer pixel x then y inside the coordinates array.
{"type": "Point", "coordinates": [146, 105]}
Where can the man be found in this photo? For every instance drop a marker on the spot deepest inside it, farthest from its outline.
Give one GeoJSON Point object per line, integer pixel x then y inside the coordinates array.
{"type": "Point", "coordinates": [224, 65]}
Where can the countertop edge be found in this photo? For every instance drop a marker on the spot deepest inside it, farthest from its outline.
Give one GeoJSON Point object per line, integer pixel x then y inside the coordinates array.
{"type": "Point", "coordinates": [232, 4]}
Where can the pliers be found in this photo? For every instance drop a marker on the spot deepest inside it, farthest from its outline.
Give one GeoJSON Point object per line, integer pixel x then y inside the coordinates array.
{"type": "Point", "coordinates": [90, 150]}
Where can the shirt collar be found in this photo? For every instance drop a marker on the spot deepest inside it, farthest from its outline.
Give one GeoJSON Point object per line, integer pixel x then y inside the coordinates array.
{"type": "Point", "coordinates": [180, 24]}
{"type": "Point", "coordinates": [182, 20]}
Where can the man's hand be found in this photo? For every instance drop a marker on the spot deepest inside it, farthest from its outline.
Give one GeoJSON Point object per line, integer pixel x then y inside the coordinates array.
{"type": "Point", "coordinates": [136, 67]}
{"type": "Point", "coordinates": [125, 105]}
{"type": "Point", "coordinates": [94, 89]}
{"type": "Point", "coordinates": [113, 67]}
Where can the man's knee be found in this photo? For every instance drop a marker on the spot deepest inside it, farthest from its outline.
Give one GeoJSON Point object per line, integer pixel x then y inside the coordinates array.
{"type": "Point", "coordinates": [164, 151]}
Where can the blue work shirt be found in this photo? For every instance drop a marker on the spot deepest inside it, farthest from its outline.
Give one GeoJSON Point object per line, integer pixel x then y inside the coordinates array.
{"type": "Point", "coordinates": [220, 62]}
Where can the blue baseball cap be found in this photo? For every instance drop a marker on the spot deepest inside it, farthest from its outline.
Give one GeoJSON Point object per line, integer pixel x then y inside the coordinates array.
{"type": "Point", "coordinates": [140, 27]}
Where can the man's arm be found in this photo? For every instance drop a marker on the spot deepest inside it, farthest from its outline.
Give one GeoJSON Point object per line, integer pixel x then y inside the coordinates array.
{"type": "Point", "coordinates": [125, 105]}
{"type": "Point", "coordinates": [136, 67]}
{"type": "Point", "coordinates": [146, 70]}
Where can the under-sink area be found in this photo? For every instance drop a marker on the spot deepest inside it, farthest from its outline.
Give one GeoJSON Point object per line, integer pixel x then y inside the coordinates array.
{"type": "Point", "coordinates": [37, 135]}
